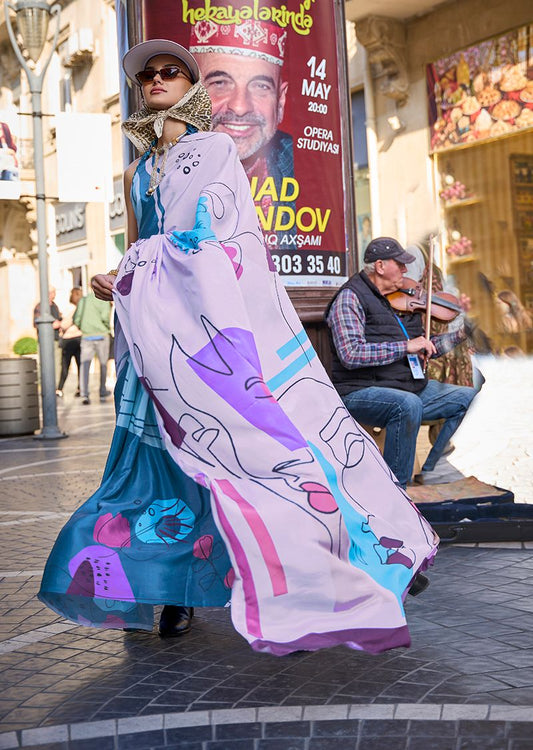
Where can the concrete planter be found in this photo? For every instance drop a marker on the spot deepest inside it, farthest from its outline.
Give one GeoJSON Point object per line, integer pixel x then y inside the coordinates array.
{"type": "Point", "coordinates": [19, 396]}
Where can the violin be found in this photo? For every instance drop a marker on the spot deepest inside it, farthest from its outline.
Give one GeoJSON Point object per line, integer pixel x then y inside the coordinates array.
{"type": "Point", "coordinates": [412, 297]}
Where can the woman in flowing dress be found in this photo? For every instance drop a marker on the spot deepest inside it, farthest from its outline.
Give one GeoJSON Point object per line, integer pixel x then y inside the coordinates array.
{"type": "Point", "coordinates": [235, 471]}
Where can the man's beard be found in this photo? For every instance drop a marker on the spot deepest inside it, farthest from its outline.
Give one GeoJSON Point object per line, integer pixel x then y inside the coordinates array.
{"type": "Point", "coordinates": [250, 118]}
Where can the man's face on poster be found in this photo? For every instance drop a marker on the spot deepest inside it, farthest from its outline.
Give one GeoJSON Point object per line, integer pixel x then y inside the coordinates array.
{"type": "Point", "coordinates": [248, 98]}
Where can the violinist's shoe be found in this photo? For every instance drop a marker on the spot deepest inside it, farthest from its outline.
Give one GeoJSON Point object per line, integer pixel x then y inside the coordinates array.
{"type": "Point", "coordinates": [420, 583]}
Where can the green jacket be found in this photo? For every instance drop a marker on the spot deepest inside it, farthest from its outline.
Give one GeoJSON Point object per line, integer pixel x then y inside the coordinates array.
{"type": "Point", "coordinates": [92, 316]}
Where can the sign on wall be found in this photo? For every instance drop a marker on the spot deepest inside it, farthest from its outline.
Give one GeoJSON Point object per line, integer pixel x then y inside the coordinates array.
{"type": "Point", "coordinates": [272, 71]}
{"type": "Point", "coordinates": [9, 156]}
{"type": "Point", "coordinates": [70, 223]}
{"type": "Point", "coordinates": [117, 207]}
{"type": "Point", "coordinates": [482, 92]}
{"type": "Point", "coordinates": [84, 158]}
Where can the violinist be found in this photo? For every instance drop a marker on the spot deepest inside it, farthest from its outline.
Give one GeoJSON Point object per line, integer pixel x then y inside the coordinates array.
{"type": "Point", "coordinates": [379, 361]}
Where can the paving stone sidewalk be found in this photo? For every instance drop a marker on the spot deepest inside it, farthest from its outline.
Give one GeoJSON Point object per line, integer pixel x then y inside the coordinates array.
{"type": "Point", "coordinates": [466, 682]}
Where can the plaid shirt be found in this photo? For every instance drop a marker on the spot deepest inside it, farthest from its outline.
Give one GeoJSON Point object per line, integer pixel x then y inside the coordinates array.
{"type": "Point", "coordinates": [347, 320]}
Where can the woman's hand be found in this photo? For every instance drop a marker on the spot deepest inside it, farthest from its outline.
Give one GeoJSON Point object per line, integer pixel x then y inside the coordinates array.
{"type": "Point", "coordinates": [102, 285]}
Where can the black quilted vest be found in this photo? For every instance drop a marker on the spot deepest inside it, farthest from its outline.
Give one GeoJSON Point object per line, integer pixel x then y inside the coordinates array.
{"type": "Point", "coordinates": [381, 325]}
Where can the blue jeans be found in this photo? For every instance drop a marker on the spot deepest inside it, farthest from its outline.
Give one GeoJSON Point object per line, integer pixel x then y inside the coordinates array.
{"type": "Point", "coordinates": [402, 413]}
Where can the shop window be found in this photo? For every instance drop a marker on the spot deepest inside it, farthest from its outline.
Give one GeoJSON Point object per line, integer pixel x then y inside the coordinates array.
{"type": "Point", "coordinates": [79, 277]}
{"type": "Point", "coordinates": [361, 173]}
{"type": "Point", "coordinates": [360, 151]}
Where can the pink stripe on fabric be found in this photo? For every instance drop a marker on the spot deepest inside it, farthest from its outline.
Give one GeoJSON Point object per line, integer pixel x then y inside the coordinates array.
{"type": "Point", "coordinates": [251, 604]}
{"type": "Point", "coordinates": [262, 536]}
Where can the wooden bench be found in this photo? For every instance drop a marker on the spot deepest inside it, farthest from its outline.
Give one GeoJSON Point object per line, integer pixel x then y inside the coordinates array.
{"type": "Point", "coordinates": [423, 442]}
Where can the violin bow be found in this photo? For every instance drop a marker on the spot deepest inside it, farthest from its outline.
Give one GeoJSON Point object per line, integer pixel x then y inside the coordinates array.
{"type": "Point", "coordinates": [429, 292]}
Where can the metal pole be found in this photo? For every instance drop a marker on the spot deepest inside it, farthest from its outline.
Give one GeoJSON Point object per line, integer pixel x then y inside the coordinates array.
{"type": "Point", "coordinates": [50, 429]}
{"type": "Point", "coordinates": [347, 139]}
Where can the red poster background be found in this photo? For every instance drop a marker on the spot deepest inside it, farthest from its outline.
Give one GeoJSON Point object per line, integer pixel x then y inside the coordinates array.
{"type": "Point", "coordinates": [309, 247]}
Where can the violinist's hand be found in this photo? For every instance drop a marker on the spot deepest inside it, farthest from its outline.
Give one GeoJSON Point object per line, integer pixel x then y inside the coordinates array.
{"type": "Point", "coordinates": [421, 345]}
{"type": "Point", "coordinates": [102, 285]}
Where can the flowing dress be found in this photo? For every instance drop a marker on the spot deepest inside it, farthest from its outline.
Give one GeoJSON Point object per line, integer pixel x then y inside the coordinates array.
{"type": "Point", "coordinates": [235, 470]}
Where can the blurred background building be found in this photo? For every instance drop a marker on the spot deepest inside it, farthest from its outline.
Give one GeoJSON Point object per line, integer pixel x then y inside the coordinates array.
{"type": "Point", "coordinates": [84, 237]}
{"type": "Point", "coordinates": [442, 114]}
{"type": "Point", "coordinates": [442, 120]}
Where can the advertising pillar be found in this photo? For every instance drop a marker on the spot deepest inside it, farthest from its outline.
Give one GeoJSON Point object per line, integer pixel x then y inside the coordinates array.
{"type": "Point", "coordinates": [278, 86]}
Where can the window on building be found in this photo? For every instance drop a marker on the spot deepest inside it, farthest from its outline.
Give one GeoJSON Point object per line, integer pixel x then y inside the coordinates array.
{"type": "Point", "coordinates": [361, 173]}
{"type": "Point", "coordinates": [79, 277]}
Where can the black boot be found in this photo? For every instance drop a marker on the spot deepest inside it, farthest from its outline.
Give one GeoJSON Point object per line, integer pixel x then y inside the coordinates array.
{"type": "Point", "coordinates": [419, 584]}
{"type": "Point", "coordinates": [175, 621]}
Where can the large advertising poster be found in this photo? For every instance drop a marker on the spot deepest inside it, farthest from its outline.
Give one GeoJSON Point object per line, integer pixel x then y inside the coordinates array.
{"type": "Point", "coordinates": [9, 155]}
{"type": "Point", "coordinates": [482, 92]}
{"type": "Point", "coordinates": [272, 72]}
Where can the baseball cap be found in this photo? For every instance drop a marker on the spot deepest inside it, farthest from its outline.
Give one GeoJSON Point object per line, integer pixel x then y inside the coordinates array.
{"type": "Point", "coordinates": [383, 248]}
{"type": "Point", "coordinates": [136, 58]}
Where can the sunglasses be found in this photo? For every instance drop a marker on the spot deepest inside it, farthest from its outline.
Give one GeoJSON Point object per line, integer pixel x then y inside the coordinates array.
{"type": "Point", "coordinates": [166, 73]}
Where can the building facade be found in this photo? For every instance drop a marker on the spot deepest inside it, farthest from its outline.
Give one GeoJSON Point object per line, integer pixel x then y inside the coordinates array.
{"type": "Point", "coordinates": [84, 236]}
{"type": "Point", "coordinates": [412, 142]}
{"type": "Point", "coordinates": [442, 92]}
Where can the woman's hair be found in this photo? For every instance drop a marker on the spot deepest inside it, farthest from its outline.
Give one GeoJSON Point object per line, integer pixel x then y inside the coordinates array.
{"type": "Point", "coordinates": [516, 309]}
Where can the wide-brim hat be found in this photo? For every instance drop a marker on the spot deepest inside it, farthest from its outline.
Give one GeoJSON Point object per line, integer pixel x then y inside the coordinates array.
{"type": "Point", "coordinates": [136, 58]}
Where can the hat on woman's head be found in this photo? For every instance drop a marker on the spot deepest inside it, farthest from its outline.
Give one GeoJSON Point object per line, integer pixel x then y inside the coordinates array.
{"type": "Point", "coordinates": [136, 58]}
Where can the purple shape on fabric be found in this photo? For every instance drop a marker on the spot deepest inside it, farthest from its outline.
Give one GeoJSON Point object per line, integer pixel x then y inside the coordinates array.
{"type": "Point", "coordinates": [231, 252]}
{"type": "Point", "coordinates": [230, 366]}
{"type": "Point", "coordinates": [271, 264]}
{"type": "Point", "coordinates": [262, 537]}
{"type": "Point", "coordinates": [229, 578]}
{"type": "Point", "coordinates": [123, 285]}
{"type": "Point", "coordinates": [351, 603]}
{"type": "Point", "coordinates": [82, 583]}
{"type": "Point", "coordinates": [398, 558]}
{"type": "Point", "coordinates": [319, 497]}
{"type": "Point", "coordinates": [251, 603]}
{"type": "Point", "coordinates": [112, 531]}
{"type": "Point", "coordinates": [373, 640]}
{"type": "Point", "coordinates": [389, 543]}
{"type": "Point", "coordinates": [110, 580]}
{"type": "Point", "coordinates": [176, 432]}
{"type": "Point", "coordinates": [203, 547]}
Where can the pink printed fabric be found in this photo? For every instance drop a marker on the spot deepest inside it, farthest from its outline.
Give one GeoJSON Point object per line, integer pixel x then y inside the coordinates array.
{"type": "Point", "coordinates": [323, 541]}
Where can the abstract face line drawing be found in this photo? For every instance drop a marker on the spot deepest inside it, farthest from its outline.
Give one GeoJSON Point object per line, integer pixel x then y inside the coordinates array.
{"type": "Point", "coordinates": [214, 195]}
{"type": "Point", "coordinates": [217, 432]}
{"type": "Point", "coordinates": [341, 436]}
{"type": "Point", "coordinates": [372, 555]}
{"type": "Point", "coordinates": [226, 364]}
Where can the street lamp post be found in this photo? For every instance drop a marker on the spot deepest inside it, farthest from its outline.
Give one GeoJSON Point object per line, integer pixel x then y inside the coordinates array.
{"type": "Point", "coordinates": [32, 22]}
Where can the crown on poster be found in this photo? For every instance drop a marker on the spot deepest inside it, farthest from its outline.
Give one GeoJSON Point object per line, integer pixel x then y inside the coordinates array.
{"type": "Point", "coordinates": [252, 38]}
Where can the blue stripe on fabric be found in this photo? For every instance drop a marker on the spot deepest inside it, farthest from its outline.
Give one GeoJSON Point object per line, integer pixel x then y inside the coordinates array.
{"type": "Point", "coordinates": [136, 195]}
{"type": "Point", "coordinates": [292, 344]}
{"type": "Point", "coordinates": [134, 408]}
{"type": "Point", "coordinates": [292, 369]}
{"type": "Point", "coordinates": [365, 547]}
{"type": "Point", "coordinates": [161, 210]}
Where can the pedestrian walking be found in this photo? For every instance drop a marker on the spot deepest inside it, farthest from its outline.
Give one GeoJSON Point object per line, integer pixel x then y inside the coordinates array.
{"type": "Point", "coordinates": [235, 471]}
{"type": "Point", "coordinates": [70, 342]}
{"type": "Point", "coordinates": [56, 324]}
{"type": "Point", "coordinates": [92, 317]}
